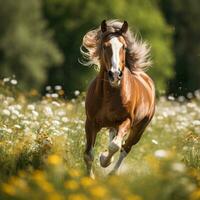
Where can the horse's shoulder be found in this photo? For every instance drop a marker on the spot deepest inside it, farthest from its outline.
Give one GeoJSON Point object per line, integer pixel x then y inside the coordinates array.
{"type": "Point", "coordinates": [145, 81]}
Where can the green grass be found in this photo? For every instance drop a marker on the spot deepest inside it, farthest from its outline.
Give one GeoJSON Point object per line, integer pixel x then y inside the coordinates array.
{"type": "Point", "coordinates": [42, 142]}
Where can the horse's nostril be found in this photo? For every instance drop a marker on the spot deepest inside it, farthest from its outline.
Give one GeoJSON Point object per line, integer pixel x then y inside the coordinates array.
{"type": "Point", "coordinates": [110, 74]}
{"type": "Point", "coordinates": [120, 74]}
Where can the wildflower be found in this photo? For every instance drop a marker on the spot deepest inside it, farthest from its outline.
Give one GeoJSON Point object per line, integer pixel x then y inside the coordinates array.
{"type": "Point", "coordinates": [19, 183]}
{"type": "Point", "coordinates": [98, 191]}
{"type": "Point", "coordinates": [54, 95]}
{"type": "Point", "coordinates": [6, 112]}
{"type": "Point", "coordinates": [48, 88]}
{"type": "Point", "coordinates": [74, 173]}
{"type": "Point", "coordinates": [17, 126]}
{"type": "Point", "coordinates": [195, 195]}
{"type": "Point", "coordinates": [189, 95]}
{"type": "Point", "coordinates": [14, 82]}
{"type": "Point", "coordinates": [6, 80]}
{"type": "Point", "coordinates": [9, 189]}
{"type": "Point", "coordinates": [179, 167]}
{"type": "Point", "coordinates": [55, 196]}
{"type": "Point", "coordinates": [48, 111]}
{"type": "Point", "coordinates": [181, 99]}
{"type": "Point", "coordinates": [38, 175]}
{"type": "Point", "coordinates": [196, 122]}
{"type": "Point", "coordinates": [58, 87]}
{"type": "Point", "coordinates": [171, 98]}
{"type": "Point", "coordinates": [31, 107]}
{"type": "Point", "coordinates": [54, 159]}
{"type": "Point", "coordinates": [76, 92]}
{"type": "Point", "coordinates": [65, 119]}
{"type": "Point", "coordinates": [69, 106]}
{"type": "Point", "coordinates": [71, 185]}
{"type": "Point", "coordinates": [154, 141]}
{"type": "Point", "coordinates": [161, 153]}
{"type": "Point", "coordinates": [87, 182]}
{"type": "Point", "coordinates": [35, 113]}
{"type": "Point", "coordinates": [55, 103]}
{"type": "Point", "coordinates": [55, 122]}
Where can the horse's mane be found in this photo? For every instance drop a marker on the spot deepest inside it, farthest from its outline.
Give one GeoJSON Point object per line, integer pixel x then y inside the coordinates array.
{"type": "Point", "coordinates": [138, 51]}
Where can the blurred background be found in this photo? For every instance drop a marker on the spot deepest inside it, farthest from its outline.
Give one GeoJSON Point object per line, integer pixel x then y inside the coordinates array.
{"type": "Point", "coordinates": [40, 40]}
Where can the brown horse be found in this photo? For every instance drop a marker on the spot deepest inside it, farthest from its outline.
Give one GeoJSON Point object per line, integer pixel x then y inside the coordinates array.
{"type": "Point", "coordinates": [122, 96]}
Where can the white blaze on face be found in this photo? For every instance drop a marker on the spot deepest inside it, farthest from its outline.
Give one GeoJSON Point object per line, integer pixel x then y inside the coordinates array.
{"type": "Point", "coordinates": [115, 60]}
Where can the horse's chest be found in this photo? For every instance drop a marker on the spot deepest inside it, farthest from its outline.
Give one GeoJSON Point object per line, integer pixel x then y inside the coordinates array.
{"type": "Point", "coordinates": [112, 112]}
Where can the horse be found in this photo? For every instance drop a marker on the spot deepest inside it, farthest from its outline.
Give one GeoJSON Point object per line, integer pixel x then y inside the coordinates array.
{"type": "Point", "coordinates": [122, 96]}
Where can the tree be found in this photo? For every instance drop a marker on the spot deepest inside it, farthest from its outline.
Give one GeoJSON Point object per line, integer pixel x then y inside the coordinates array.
{"type": "Point", "coordinates": [26, 47]}
{"type": "Point", "coordinates": [72, 19]}
{"type": "Point", "coordinates": [185, 19]}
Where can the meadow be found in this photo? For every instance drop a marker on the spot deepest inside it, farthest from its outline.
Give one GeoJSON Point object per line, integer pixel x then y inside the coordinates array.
{"type": "Point", "coordinates": [42, 142]}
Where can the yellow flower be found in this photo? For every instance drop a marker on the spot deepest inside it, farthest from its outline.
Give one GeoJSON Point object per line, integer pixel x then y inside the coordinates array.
{"type": "Point", "coordinates": [77, 197]}
{"type": "Point", "coordinates": [54, 159]}
{"type": "Point", "coordinates": [74, 173]}
{"type": "Point", "coordinates": [87, 182]}
{"type": "Point", "coordinates": [55, 196]}
{"type": "Point", "coordinates": [38, 175]}
{"type": "Point", "coordinates": [8, 189]}
{"type": "Point", "coordinates": [195, 195]}
{"type": "Point", "coordinates": [46, 186]}
{"type": "Point", "coordinates": [19, 183]}
{"type": "Point", "coordinates": [98, 191]}
{"type": "Point", "coordinates": [71, 185]}
{"type": "Point", "coordinates": [69, 106]}
{"type": "Point", "coordinates": [40, 179]}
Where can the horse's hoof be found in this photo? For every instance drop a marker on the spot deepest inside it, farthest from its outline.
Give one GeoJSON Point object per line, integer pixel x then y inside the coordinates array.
{"type": "Point", "coordinates": [114, 146]}
{"type": "Point", "coordinates": [104, 161]}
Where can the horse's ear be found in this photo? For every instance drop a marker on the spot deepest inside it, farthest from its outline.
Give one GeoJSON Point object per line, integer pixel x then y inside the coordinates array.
{"type": "Point", "coordinates": [124, 27]}
{"type": "Point", "coordinates": [103, 26]}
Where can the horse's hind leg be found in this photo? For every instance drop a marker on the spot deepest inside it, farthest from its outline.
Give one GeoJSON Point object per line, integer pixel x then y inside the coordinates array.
{"type": "Point", "coordinates": [91, 131]}
{"type": "Point", "coordinates": [115, 144]}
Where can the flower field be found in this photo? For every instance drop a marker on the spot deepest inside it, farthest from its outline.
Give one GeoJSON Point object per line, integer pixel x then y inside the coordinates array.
{"type": "Point", "coordinates": [42, 142]}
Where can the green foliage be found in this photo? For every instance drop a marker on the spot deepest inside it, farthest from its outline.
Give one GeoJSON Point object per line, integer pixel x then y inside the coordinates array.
{"type": "Point", "coordinates": [72, 19]}
{"type": "Point", "coordinates": [185, 19]}
{"type": "Point", "coordinates": [26, 47]}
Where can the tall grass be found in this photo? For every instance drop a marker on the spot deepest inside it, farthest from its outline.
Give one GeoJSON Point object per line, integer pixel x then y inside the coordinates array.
{"type": "Point", "coordinates": [42, 141]}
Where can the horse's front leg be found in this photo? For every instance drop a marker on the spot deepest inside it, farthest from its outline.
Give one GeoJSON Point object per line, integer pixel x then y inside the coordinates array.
{"type": "Point", "coordinates": [91, 130]}
{"type": "Point", "coordinates": [115, 144]}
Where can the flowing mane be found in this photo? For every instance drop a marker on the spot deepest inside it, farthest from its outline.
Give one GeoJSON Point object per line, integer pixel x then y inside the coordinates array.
{"type": "Point", "coordinates": [137, 54]}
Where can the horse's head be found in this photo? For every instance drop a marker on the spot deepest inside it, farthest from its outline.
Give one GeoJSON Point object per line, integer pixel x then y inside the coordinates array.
{"type": "Point", "coordinates": [113, 52]}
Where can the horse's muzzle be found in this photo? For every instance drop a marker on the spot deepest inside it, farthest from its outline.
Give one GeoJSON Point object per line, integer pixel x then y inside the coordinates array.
{"type": "Point", "coordinates": [116, 75]}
